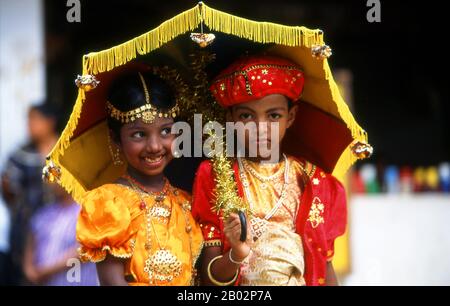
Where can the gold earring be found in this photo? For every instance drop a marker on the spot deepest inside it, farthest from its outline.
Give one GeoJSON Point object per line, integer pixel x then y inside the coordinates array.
{"type": "Point", "coordinates": [115, 154]}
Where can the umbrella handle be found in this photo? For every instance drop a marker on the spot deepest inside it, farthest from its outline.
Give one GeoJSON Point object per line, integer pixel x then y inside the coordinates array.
{"type": "Point", "coordinates": [243, 220]}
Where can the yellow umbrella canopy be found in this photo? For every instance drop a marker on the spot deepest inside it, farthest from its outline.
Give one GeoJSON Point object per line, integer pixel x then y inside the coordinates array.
{"type": "Point", "coordinates": [326, 132]}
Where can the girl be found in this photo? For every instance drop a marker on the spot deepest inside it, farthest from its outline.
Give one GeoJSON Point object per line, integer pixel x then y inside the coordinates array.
{"type": "Point", "coordinates": [139, 229]}
{"type": "Point", "coordinates": [298, 209]}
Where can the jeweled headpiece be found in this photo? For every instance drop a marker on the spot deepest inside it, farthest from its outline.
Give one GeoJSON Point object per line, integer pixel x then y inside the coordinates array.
{"type": "Point", "coordinates": [147, 112]}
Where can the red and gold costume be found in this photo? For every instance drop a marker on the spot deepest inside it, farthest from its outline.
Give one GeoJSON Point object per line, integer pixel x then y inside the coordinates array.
{"type": "Point", "coordinates": [320, 219]}
{"type": "Point", "coordinates": [295, 243]}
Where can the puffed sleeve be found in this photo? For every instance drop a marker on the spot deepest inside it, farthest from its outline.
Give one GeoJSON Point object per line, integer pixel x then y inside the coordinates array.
{"type": "Point", "coordinates": [202, 200]}
{"type": "Point", "coordinates": [336, 223]}
{"type": "Point", "coordinates": [105, 225]}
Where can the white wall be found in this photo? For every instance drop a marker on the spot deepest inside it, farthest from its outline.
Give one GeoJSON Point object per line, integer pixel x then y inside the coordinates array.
{"type": "Point", "coordinates": [399, 240]}
{"type": "Point", "coordinates": [22, 78]}
{"type": "Point", "coordinates": [22, 68]}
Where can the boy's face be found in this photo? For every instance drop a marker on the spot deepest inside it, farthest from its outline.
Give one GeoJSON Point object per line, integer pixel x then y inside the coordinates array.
{"type": "Point", "coordinates": [270, 109]}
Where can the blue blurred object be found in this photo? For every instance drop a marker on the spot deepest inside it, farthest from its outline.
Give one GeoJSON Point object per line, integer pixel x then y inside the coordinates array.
{"type": "Point", "coordinates": [444, 176]}
{"type": "Point", "coordinates": [392, 179]}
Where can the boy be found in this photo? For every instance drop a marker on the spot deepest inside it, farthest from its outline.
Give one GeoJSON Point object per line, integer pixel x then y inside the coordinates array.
{"type": "Point", "coordinates": [298, 209]}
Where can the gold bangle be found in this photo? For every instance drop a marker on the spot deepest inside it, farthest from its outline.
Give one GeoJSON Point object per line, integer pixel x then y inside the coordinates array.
{"type": "Point", "coordinates": [216, 282]}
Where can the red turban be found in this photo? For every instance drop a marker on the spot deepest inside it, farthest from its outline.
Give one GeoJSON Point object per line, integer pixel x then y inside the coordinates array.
{"type": "Point", "coordinates": [255, 77]}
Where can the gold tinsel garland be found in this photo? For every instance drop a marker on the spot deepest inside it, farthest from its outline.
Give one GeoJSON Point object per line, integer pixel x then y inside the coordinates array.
{"type": "Point", "coordinates": [202, 100]}
{"type": "Point", "coordinates": [227, 199]}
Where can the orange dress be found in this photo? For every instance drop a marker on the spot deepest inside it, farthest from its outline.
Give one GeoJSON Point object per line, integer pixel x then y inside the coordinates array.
{"type": "Point", "coordinates": [160, 243]}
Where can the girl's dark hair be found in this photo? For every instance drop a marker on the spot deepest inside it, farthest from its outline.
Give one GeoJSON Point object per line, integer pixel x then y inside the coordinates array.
{"type": "Point", "coordinates": [127, 93]}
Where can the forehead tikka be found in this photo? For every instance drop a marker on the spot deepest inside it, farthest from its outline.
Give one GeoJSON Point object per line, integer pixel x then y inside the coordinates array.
{"type": "Point", "coordinates": [147, 94]}
{"type": "Point", "coordinates": [147, 113]}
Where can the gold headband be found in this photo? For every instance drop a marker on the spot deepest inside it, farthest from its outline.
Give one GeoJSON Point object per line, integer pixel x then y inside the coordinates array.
{"type": "Point", "coordinates": [148, 112]}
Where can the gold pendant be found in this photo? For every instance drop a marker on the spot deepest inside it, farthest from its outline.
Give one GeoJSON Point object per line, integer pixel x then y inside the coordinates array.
{"type": "Point", "coordinates": [162, 266]}
{"type": "Point", "coordinates": [263, 186]}
{"type": "Point", "coordinates": [203, 39]}
{"type": "Point", "coordinates": [161, 212]}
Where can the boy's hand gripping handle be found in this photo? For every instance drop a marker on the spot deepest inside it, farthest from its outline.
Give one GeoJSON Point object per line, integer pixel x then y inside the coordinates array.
{"type": "Point", "coordinates": [243, 220]}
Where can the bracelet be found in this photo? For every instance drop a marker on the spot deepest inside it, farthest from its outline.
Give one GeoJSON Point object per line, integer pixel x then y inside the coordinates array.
{"type": "Point", "coordinates": [212, 243]}
{"type": "Point", "coordinates": [216, 282]}
{"type": "Point", "coordinates": [234, 261]}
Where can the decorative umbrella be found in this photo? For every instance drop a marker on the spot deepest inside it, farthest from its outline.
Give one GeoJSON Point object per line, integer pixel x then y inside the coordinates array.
{"type": "Point", "coordinates": [325, 133]}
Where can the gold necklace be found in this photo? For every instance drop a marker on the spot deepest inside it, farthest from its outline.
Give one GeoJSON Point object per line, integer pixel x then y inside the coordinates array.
{"type": "Point", "coordinates": [162, 265]}
{"type": "Point", "coordinates": [159, 210]}
{"type": "Point", "coordinates": [259, 225]}
{"type": "Point", "coordinates": [135, 183]}
{"type": "Point", "coordinates": [247, 192]}
{"type": "Point", "coordinates": [263, 179]}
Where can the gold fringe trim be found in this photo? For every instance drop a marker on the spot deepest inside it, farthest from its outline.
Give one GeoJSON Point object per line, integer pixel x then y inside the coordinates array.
{"type": "Point", "coordinates": [67, 181]}
{"type": "Point", "coordinates": [109, 59]}
{"type": "Point", "coordinates": [64, 139]}
{"type": "Point", "coordinates": [262, 32]}
{"type": "Point", "coordinates": [71, 184]}
{"type": "Point", "coordinates": [347, 158]}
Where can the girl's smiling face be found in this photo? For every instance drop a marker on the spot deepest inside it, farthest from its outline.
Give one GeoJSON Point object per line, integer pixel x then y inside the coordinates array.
{"type": "Point", "coordinates": [147, 147]}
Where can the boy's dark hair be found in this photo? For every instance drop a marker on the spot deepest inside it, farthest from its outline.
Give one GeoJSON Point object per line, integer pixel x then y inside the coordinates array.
{"type": "Point", "coordinates": [290, 104]}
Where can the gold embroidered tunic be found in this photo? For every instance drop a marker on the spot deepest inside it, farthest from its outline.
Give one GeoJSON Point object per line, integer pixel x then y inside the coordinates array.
{"type": "Point", "coordinates": [277, 253]}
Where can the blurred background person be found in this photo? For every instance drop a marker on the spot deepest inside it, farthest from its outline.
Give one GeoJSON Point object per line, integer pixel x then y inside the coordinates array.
{"type": "Point", "coordinates": [51, 243]}
{"type": "Point", "coordinates": [22, 186]}
{"type": "Point", "coordinates": [4, 243]}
